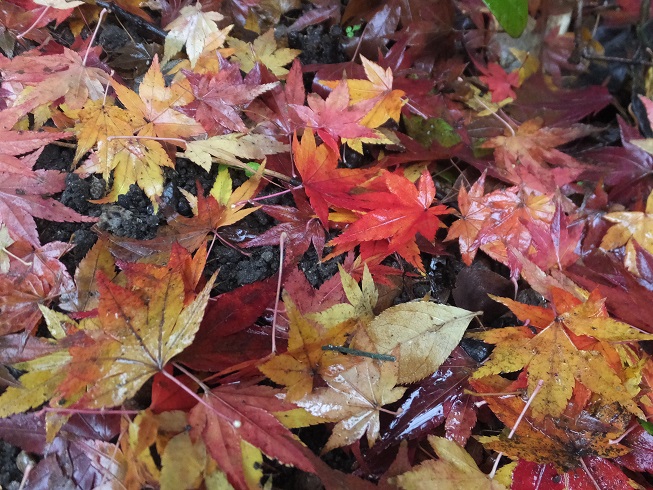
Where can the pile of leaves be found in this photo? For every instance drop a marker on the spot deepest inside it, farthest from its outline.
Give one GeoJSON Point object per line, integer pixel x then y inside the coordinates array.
{"type": "Point", "coordinates": [432, 140]}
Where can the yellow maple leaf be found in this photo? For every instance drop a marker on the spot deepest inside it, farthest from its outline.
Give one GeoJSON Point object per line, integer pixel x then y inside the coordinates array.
{"type": "Point", "coordinates": [552, 356]}
{"type": "Point", "coordinates": [630, 226]}
{"type": "Point", "coordinates": [305, 358]}
{"type": "Point", "coordinates": [264, 49]}
{"type": "Point", "coordinates": [377, 86]}
{"type": "Point", "coordinates": [194, 29]}
{"type": "Point", "coordinates": [156, 103]}
{"type": "Point", "coordinates": [361, 301]}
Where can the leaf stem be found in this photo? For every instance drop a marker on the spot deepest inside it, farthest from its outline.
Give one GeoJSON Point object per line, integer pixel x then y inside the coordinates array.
{"type": "Point", "coordinates": [153, 138]}
{"type": "Point", "coordinates": [97, 28]}
{"type": "Point", "coordinates": [30, 28]}
{"type": "Point", "coordinates": [282, 240]}
{"type": "Point", "coordinates": [537, 389]}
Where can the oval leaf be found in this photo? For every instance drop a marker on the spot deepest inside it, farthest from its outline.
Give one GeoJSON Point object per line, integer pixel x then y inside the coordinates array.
{"type": "Point", "coordinates": [426, 334]}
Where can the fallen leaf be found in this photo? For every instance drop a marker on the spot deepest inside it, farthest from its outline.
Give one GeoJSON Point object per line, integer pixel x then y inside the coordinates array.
{"type": "Point", "coordinates": [191, 28]}
{"type": "Point", "coordinates": [263, 49]}
{"type": "Point", "coordinates": [305, 360]}
{"type": "Point", "coordinates": [630, 227]}
{"type": "Point", "coordinates": [454, 470]}
{"type": "Point", "coordinates": [425, 334]}
{"type": "Point", "coordinates": [353, 400]}
{"type": "Point", "coordinates": [549, 354]}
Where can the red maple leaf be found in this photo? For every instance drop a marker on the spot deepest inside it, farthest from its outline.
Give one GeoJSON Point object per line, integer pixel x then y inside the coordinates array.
{"type": "Point", "coordinates": [401, 211]}
{"type": "Point", "coordinates": [300, 224]}
{"type": "Point", "coordinates": [36, 279]}
{"type": "Point", "coordinates": [27, 194]}
{"type": "Point", "coordinates": [274, 110]}
{"type": "Point", "coordinates": [220, 97]}
{"type": "Point", "coordinates": [499, 82]}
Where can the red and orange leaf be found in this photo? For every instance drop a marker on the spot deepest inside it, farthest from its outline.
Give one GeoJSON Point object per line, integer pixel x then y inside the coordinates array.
{"type": "Point", "coordinates": [324, 183]}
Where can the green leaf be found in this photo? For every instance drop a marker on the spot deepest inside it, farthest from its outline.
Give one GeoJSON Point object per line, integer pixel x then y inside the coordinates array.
{"type": "Point", "coordinates": [648, 426]}
{"type": "Point", "coordinates": [512, 15]}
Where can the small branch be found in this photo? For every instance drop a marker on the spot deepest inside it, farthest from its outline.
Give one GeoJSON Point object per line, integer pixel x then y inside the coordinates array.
{"type": "Point", "coordinates": [359, 353]}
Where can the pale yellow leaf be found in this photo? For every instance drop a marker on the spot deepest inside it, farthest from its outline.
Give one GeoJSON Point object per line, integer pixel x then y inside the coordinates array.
{"type": "Point", "coordinates": [424, 332]}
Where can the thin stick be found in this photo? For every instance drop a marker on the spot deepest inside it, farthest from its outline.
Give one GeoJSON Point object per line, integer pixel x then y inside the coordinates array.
{"type": "Point", "coordinates": [192, 377]}
{"type": "Point", "coordinates": [494, 113]}
{"type": "Point", "coordinates": [282, 239]}
{"type": "Point", "coordinates": [359, 353]}
{"type": "Point", "coordinates": [25, 263]}
{"type": "Point", "coordinates": [242, 166]}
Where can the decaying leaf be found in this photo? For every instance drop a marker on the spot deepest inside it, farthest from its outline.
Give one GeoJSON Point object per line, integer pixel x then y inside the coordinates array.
{"type": "Point", "coordinates": [550, 354]}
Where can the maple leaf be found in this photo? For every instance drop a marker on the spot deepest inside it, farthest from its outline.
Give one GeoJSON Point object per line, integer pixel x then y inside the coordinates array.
{"type": "Point", "coordinates": [353, 400]}
{"type": "Point", "coordinates": [263, 49]}
{"type": "Point", "coordinates": [27, 194]}
{"type": "Point", "coordinates": [377, 88]}
{"type": "Point", "coordinates": [232, 415]}
{"type": "Point", "coordinates": [222, 207]}
{"type": "Point", "coordinates": [401, 212]}
{"type": "Point", "coordinates": [305, 359]}
{"type": "Point", "coordinates": [144, 327]}
{"type": "Point", "coordinates": [494, 222]}
{"type": "Point", "coordinates": [300, 225]}
{"type": "Point", "coordinates": [522, 156]}
{"type": "Point", "coordinates": [157, 104]}
{"type": "Point", "coordinates": [323, 182]}
{"type": "Point", "coordinates": [499, 82]}
{"type": "Point", "coordinates": [275, 109]}
{"type": "Point", "coordinates": [362, 301]}
{"type": "Point", "coordinates": [139, 328]}
{"type": "Point", "coordinates": [97, 122]}
{"type": "Point", "coordinates": [625, 169]}
{"type": "Point", "coordinates": [551, 354]}
{"type": "Point", "coordinates": [335, 118]}
{"type": "Point", "coordinates": [34, 280]}
{"type": "Point", "coordinates": [221, 96]}
{"type": "Point", "coordinates": [565, 442]}
{"type": "Point", "coordinates": [50, 78]}
{"type": "Point", "coordinates": [630, 227]}
{"type": "Point", "coordinates": [228, 147]}
{"type": "Point", "coordinates": [627, 297]}
{"type": "Point", "coordinates": [191, 28]}
{"type": "Point", "coordinates": [454, 469]}
{"type": "Point", "coordinates": [16, 143]}
{"type": "Point", "coordinates": [84, 296]}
